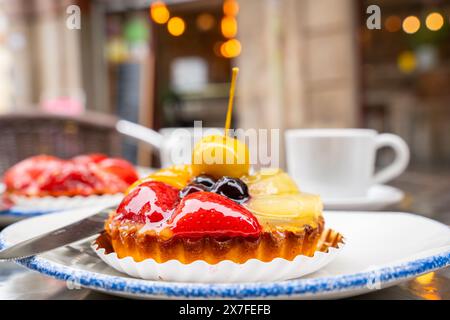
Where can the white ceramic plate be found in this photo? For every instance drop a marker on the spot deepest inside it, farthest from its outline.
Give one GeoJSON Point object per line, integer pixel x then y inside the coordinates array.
{"type": "Point", "coordinates": [382, 249]}
{"type": "Point", "coordinates": [378, 197]}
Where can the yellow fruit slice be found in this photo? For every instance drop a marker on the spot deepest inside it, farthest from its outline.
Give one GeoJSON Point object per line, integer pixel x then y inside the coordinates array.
{"type": "Point", "coordinates": [270, 181]}
{"type": "Point", "coordinates": [286, 209]}
{"type": "Point", "coordinates": [177, 176]}
{"type": "Point", "coordinates": [220, 156]}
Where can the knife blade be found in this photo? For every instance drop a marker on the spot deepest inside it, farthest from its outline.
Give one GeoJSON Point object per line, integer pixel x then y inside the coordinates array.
{"type": "Point", "coordinates": [68, 234]}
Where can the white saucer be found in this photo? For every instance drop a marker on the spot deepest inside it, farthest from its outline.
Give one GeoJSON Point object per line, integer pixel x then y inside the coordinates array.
{"type": "Point", "coordinates": [378, 197]}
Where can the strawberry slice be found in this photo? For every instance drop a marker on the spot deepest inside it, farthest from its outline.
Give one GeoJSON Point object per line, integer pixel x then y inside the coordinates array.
{"type": "Point", "coordinates": [151, 201]}
{"type": "Point", "coordinates": [69, 179]}
{"type": "Point", "coordinates": [24, 175]}
{"type": "Point", "coordinates": [203, 214]}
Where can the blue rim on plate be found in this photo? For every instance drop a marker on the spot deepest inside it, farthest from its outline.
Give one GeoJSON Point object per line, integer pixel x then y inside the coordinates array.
{"type": "Point", "coordinates": [14, 212]}
{"type": "Point", "coordinates": [290, 288]}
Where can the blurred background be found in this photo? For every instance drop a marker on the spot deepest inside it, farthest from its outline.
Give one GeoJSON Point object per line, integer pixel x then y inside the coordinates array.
{"type": "Point", "coordinates": [304, 63]}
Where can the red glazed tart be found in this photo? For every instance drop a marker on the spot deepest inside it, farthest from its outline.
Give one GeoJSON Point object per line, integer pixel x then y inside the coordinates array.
{"type": "Point", "coordinates": [85, 175]}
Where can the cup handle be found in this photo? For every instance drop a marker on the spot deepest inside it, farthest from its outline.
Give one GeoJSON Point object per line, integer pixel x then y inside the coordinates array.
{"type": "Point", "coordinates": [400, 162]}
{"type": "Point", "coordinates": [141, 133]}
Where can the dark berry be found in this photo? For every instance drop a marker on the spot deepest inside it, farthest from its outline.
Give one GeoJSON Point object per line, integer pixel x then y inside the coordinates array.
{"type": "Point", "coordinates": [205, 180]}
{"type": "Point", "coordinates": [235, 189]}
{"type": "Point", "coordinates": [191, 188]}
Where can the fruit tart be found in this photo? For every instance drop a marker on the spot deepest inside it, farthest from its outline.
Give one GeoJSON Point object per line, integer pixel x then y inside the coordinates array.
{"type": "Point", "coordinates": [214, 211]}
{"type": "Point", "coordinates": [84, 175]}
{"type": "Point", "coordinates": [213, 220]}
{"type": "Point", "coordinates": [191, 212]}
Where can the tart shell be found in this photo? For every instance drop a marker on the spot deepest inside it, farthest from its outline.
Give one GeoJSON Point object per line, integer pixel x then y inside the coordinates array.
{"type": "Point", "coordinates": [129, 241]}
{"type": "Point", "coordinates": [225, 271]}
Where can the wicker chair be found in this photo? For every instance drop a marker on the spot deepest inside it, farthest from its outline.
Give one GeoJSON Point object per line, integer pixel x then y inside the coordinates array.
{"type": "Point", "coordinates": [26, 134]}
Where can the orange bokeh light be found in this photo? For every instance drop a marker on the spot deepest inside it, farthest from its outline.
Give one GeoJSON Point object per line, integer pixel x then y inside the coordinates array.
{"type": "Point", "coordinates": [176, 26]}
{"type": "Point", "coordinates": [411, 24]}
{"type": "Point", "coordinates": [434, 21]}
{"type": "Point", "coordinates": [159, 12]}
{"type": "Point", "coordinates": [230, 7]}
{"type": "Point", "coordinates": [205, 21]}
{"type": "Point", "coordinates": [231, 48]}
{"type": "Point", "coordinates": [229, 27]}
{"type": "Point", "coordinates": [393, 23]}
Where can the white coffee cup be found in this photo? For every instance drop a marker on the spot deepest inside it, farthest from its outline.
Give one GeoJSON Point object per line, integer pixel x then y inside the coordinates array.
{"type": "Point", "coordinates": [337, 163]}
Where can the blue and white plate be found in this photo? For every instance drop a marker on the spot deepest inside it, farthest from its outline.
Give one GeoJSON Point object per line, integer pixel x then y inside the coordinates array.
{"type": "Point", "coordinates": [382, 249]}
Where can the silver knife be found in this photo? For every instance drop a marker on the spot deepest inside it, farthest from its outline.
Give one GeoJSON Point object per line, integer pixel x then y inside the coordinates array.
{"type": "Point", "coordinates": [57, 238]}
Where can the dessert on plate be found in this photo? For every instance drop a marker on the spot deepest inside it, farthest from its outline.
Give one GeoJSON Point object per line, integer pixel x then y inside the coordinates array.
{"type": "Point", "coordinates": [216, 211]}
{"type": "Point", "coordinates": [215, 219]}
{"type": "Point", "coordinates": [84, 175]}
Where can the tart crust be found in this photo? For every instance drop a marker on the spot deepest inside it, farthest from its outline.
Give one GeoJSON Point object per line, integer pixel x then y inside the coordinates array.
{"type": "Point", "coordinates": [128, 239]}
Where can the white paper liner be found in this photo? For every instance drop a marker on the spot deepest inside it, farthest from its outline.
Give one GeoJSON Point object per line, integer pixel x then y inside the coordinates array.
{"type": "Point", "coordinates": [50, 203]}
{"type": "Point", "coordinates": [226, 271]}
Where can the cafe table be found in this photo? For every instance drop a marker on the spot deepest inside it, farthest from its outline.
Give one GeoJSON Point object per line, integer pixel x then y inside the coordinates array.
{"type": "Point", "coordinates": [427, 194]}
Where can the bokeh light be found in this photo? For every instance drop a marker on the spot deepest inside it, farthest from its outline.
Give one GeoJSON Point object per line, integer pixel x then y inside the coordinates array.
{"type": "Point", "coordinates": [176, 26]}
{"type": "Point", "coordinates": [425, 279]}
{"type": "Point", "coordinates": [407, 62]}
{"type": "Point", "coordinates": [205, 21]}
{"type": "Point", "coordinates": [229, 27]}
{"type": "Point", "coordinates": [393, 23]}
{"type": "Point", "coordinates": [434, 21]}
{"type": "Point", "coordinates": [231, 48]}
{"type": "Point", "coordinates": [230, 7]}
{"type": "Point", "coordinates": [411, 24]}
{"type": "Point", "coordinates": [159, 12]}
{"type": "Point", "coordinates": [117, 50]}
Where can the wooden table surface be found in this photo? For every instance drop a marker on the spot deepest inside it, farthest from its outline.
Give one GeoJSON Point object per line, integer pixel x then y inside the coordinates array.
{"type": "Point", "coordinates": [427, 194]}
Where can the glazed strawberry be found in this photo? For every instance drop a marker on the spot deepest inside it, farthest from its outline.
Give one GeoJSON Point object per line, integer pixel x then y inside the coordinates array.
{"type": "Point", "coordinates": [24, 175]}
{"type": "Point", "coordinates": [151, 201]}
{"type": "Point", "coordinates": [203, 214]}
{"type": "Point", "coordinates": [70, 178]}
{"type": "Point", "coordinates": [119, 167]}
